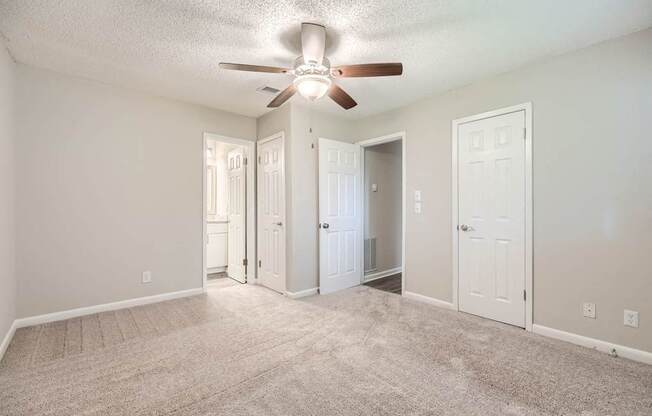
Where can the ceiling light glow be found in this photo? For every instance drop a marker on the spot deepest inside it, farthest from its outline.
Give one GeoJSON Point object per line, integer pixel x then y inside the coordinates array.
{"type": "Point", "coordinates": [312, 87]}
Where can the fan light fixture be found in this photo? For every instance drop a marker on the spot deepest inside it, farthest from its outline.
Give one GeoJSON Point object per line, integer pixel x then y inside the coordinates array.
{"type": "Point", "coordinates": [312, 87]}
{"type": "Point", "coordinates": [314, 76]}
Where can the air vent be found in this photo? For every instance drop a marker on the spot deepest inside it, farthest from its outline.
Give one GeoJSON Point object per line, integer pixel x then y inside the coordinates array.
{"type": "Point", "coordinates": [268, 90]}
{"type": "Point", "coordinates": [370, 255]}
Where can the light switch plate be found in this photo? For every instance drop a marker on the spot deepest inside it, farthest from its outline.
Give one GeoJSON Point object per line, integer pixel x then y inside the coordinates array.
{"type": "Point", "coordinates": [147, 277]}
{"type": "Point", "coordinates": [374, 187]}
{"type": "Point", "coordinates": [631, 318]}
{"type": "Point", "coordinates": [417, 196]}
{"type": "Point", "coordinates": [589, 310]}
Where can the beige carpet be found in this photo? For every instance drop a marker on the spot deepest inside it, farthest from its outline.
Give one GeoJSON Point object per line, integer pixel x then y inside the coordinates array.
{"type": "Point", "coordinates": [244, 350]}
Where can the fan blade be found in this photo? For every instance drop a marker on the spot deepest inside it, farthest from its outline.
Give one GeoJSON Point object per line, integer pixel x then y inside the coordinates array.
{"type": "Point", "coordinates": [253, 68]}
{"type": "Point", "coordinates": [283, 96]}
{"type": "Point", "coordinates": [340, 96]}
{"type": "Point", "coordinates": [313, 42]}
{"type": "Point", "coordinates": [368, 70]}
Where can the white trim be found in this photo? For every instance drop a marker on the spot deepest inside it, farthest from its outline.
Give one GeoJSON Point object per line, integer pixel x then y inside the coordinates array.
{"type": "Point", "coordinates": [373, 142]}
{"type": "Point", "coordinates": [596, 344]}
{"type": "Point", "coordinates": [272, 137]}
{"type": "Point", "coordinates": [250, 147]}
{"type": "Point", "coordinates": [527, 108]}
{"type": "Point", "coordinates": [88, 310]}
{"type": "Point", "coordinates": [302, 293]}
{"type": "Point", "coordinates": [429, 300]}
{"type": "Point", "coordinates": [7, 339]}
{"type": "Point", "coordinates": [379, 275]}
{"type": "Point", "coordinates": [279, 135]}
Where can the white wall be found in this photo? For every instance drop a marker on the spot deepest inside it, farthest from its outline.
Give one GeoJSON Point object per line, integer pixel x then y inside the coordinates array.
{"type": "Point", "coordinates": [592, 184]}
{"type": "Point", "coordinates": [7, 276]}
{"type": "Point", "coordinates": [383, 208]}
{"type": "Point", "coordinates": [109, 184]}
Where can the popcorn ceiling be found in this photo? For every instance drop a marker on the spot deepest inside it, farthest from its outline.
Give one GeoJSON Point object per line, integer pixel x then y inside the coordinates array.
{"type": "Point", "coordinates": [172, 48]}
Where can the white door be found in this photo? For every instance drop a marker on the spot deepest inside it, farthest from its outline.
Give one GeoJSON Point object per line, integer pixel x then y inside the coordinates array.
{"type": "Point", "coordinates": [491, 200]}
{"type": "Point", "coordinates": [271, 214]}
{"type": "Point", "coordinates": [340, 216]}
{"type": "Point", "coordinates": [237, 251]}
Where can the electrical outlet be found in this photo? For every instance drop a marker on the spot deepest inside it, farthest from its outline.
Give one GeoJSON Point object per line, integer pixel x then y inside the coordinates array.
{"type": "Point", "coordinates": [589, 310]}
{"type": "Point", "coordinates": [147, 277]}
{"type": "Point", "coordinates": [417, 196]}
{"type": "Point", "coordinates": [631, 318]}
{"type": "Point", "coordinates": [417, 207]}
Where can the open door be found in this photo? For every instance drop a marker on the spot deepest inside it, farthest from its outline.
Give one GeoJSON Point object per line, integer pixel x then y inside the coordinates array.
{"type": "Point", "coordinates": [340, 216]}
{"type": "Point", "coordinates": [237, 252]}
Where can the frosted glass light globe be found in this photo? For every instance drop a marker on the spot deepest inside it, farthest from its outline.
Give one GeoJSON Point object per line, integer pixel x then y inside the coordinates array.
{"type": "Point", "coordinates": [312, 87]}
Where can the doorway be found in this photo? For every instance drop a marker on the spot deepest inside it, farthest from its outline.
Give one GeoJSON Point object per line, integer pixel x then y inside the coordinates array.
{"type": "Point", "coordinates": [492, 215]}
{"type": "Point", "coordinates": [228, 227]}
{"type": "Point", "coordinates": [383, 190]}
{"type": "Point", "coordinates": [342, 216]}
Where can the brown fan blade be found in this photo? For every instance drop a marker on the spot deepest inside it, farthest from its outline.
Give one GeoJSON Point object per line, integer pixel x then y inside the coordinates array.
{"type": "Point", "coordinates": [368, 70]}
{"type": "Point", "coordinates": [253, 68]}
{"type": "Point", "coordinates": [283, 96]}
{"type": "Point", "coordinates": [340, 96]}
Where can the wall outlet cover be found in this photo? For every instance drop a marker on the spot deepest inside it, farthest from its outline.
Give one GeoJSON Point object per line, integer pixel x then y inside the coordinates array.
{"type": "Point", "coordinates": [417, 207]}
{"type": "Point", "coordinates": [588, 310]}
{"type": "Point", "coordinates": [631, 318]}
{"type": "Point", "coordinates": [147, 277]}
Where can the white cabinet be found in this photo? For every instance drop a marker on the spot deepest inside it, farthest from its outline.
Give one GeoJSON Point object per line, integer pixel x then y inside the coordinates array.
{"type": "Point", "coordinates": [216, 245]}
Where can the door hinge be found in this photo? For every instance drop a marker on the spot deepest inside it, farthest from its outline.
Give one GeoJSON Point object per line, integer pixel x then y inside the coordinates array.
{"type": "Point", "coordinates": [259, 160]}
{"type": "Point", "coordinates": [524, 295]}
{"type": "Point", "coordinates": [244, 161]}
{"type": "Point", "coordinates": [260, 263]}
{"type": "Point", "coordinates": [244, 262]}
{"type": "Point", "coordinates": [524, 133]}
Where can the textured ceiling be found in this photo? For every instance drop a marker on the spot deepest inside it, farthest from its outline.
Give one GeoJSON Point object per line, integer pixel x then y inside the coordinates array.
{"type": "Point", "coordinates": [172, 48]}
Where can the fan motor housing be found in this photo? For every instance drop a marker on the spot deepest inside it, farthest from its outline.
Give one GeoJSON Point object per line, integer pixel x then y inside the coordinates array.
{"type": "Point", "coordinates": [302, 68]}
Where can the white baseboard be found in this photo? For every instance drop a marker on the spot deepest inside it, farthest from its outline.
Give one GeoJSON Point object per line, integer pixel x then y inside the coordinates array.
{"type": "Point", "coordinates": [599, 345]}
{"type": "Point", "coordinates": [7, 339]}
{"type": "Point", "coordinates": [302, 294]}
{"type": "Point", "coordinates": [428, 300]}
{"type": "Point", "coordinates": [380, 275]}
{"type": "Point", "coordinates": [73, 313]}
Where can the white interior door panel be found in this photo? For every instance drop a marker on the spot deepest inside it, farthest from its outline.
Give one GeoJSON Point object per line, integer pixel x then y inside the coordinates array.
{"type": "Point", "coordinates": [340, 215]}
{"type": "Point", "coordinates": [491, 204]}
{"type": "Point", "coordinates": [271, 214]}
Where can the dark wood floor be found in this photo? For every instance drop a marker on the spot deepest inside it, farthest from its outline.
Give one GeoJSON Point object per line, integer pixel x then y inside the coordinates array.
{"type": "Point", "coordinates": [220, 275]}
{"type": "Point", "coordinates": [388, 284]}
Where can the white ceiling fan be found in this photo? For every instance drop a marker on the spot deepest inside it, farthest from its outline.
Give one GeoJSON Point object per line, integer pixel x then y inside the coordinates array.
{"type": "Point", "coordinates": [314, 74]}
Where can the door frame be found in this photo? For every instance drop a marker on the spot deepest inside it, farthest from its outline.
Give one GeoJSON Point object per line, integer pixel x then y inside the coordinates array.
{"type": "Point", "coordinates": [279, 135]}
{"type": "Point", "coordinates": [250, 148]}
{"type": "Point", "coordinates": [373, 142]}
{"type": "Point", "coordinates": [527, 107]}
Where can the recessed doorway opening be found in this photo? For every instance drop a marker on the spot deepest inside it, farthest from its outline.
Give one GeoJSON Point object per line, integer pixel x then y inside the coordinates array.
{"type": "Point", "coordinates": [383, 167]}
{"type": "Point", "coordinates": [228, 224]}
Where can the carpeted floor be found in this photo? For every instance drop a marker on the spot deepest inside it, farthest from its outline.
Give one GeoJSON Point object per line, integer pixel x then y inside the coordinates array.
{"type": "Point", "coordinates": [245, 350]}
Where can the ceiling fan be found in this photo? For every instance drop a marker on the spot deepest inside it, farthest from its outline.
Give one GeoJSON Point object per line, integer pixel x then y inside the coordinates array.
{"type": "Point", "coordinates": [313, 72]}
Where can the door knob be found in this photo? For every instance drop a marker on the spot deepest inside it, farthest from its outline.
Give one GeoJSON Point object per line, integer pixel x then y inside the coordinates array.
{"type": "Point", "coordinates": [279, 223]}
{"type": "Point", "coordinates": [465, 227]}
{"type": "Point", "coordinates": [325, 225]}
